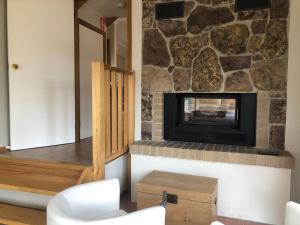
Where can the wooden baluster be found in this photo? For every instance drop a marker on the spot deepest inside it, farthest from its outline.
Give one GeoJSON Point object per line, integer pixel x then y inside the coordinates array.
{"type": "Point", "coordinates": [114, 114]}
{"type": "Point", "coordinates": [120, 113]}
{"type": "Point", "coordinates": [108, 114]}
{"type": "Point", "coordinates": [126, 111]}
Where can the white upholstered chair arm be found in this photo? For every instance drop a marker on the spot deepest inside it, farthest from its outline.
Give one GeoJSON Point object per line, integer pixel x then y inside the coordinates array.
{"type": "Point", "coordinates": [292, 214]}
{"type": "Point", "coordinates": [216, 223]}
{"type": "Point", "coordinates": [84, 202]}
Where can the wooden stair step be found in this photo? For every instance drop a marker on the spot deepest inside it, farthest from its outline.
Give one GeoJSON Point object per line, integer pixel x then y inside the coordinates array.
{"type": "Point", "coordinates": [33, 164]}
{"type": "Point", "coordinates": [38, 176]}
{"type": "Point", "coordinates": [25, 184]}
{"type": "Point", "coordinates": [16, 215]}
{"type": "Point", "coordinates": [45, 170]}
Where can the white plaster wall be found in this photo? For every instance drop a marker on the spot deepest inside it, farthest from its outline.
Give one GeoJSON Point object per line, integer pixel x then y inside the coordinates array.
{"type": "Point", "coordinates": [25, 199]}
{"type": "Point", "coordinates": [110, 35]}
{"type": "Point", "coordinates": [251, 193]}
{"type": "Point", "coordinates": [121, 42]}
{"type": "Point", "coordinates": [91, 49]}
{"type": "Point", "coordinates": [293, 106]}
{"type": "Point", "coordinates": [118, 169]}
{"type": "Point", "coordinates": [4, 112]}
{"type": "Point", "coordinates": [137, 61]}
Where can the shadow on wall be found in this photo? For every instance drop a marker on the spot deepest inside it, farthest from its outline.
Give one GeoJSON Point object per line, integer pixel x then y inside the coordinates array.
{"type": "Point", "coordinates": [4, 107]}
{"type": "Point", "coordinates": [60, 95]}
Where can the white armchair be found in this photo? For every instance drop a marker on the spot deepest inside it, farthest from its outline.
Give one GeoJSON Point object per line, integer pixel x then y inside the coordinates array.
{"type": "Point", "coordinates": [216, 223]}
{"type": "Point", "coordinates": [292, 214]}
{"type": "Point", "coordinates": [98, 203]}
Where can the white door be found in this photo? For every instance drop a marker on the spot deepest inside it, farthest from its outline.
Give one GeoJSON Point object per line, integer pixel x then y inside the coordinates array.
{"type": "Point", "coordinates": [91, 49]}
{"type": "Point", "coordinates": [41, 43]}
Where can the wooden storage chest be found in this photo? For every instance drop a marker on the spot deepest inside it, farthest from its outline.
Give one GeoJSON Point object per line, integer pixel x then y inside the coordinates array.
{"type": "Point", "coordinates": [192, 200]}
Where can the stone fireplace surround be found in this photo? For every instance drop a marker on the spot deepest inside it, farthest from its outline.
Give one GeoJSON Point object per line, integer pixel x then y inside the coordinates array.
{"type": "Point", "coordinates": [215, 49]}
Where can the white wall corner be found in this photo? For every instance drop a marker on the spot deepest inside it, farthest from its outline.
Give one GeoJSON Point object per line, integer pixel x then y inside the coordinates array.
{"type": "Point", "coordinates": [293, 93]}
{"type": "Point", "coordinates": [137, 61]}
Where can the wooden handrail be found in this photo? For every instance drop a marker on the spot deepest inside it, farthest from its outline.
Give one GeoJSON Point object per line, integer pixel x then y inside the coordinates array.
{"type": "Point", "coordinates": [113, 114]}
{"type": "Point", "coordinates": [118, 70]}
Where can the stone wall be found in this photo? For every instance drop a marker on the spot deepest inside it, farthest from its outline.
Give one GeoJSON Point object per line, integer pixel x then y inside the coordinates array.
{"type": "Point", "coordinates": [215, 49]}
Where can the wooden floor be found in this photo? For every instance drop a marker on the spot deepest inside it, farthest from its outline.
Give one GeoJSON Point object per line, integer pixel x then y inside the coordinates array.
{"type": "Point", "coordinates": [80, 153]}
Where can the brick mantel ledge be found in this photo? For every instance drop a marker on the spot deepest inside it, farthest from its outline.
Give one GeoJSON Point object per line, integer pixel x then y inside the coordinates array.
{"type": "Point", "coordinates": [212, 153]}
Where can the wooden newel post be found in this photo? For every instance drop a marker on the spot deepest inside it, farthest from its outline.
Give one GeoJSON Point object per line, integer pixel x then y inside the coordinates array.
{"type": "Point", "coordinates": [98, 119]}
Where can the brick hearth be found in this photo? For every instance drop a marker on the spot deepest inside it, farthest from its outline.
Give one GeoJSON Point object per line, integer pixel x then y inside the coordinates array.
{"type": "Point", "coordinates": [212, 153]}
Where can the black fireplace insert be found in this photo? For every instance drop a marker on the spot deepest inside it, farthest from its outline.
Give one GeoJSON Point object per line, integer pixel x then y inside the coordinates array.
{"type": "Point", "coordinates": [218, 118]}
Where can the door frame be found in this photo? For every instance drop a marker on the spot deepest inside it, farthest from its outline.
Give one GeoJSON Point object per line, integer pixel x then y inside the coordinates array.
{"type": "Point", "coordinates": [77, 22]}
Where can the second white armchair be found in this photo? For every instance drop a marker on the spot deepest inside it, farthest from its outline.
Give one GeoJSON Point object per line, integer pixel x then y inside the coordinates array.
{"type": "Point", "coordinates": [292, 215]}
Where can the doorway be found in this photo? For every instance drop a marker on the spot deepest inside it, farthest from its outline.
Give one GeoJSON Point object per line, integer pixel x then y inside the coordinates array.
{"type": "Point", "coordinates": [91, 49]}
{"type": "Point", "coordinates": [103, 30]}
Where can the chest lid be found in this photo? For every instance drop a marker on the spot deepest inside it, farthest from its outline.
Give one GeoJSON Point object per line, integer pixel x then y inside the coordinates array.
{"type": "Point", "coordinates": [194, 188]}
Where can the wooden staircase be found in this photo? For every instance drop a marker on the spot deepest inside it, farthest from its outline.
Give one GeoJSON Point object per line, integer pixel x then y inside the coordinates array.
{"type": "Point", "coordinates": [113, 132]}
{"type": "Point", "coordinates": [39, 177]}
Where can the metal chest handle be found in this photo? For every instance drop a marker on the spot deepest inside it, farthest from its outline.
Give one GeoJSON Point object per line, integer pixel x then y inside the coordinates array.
{"type": "Point", "coordinates": [164, 202]}
{"type": "Point", "coordinates": [169, 198]}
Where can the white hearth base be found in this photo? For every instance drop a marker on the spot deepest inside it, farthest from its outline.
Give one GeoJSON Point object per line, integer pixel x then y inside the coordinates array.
{"type": "Point", "coordinates": [254, 193]}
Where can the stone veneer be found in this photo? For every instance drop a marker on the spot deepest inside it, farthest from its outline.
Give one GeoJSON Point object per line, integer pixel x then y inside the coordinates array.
{"type": "Point", "coordinates": [215, 49]}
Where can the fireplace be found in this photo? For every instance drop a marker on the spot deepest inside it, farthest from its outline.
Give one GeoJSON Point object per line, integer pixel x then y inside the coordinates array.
{"type": "Point", "coordinates": [217, 118]}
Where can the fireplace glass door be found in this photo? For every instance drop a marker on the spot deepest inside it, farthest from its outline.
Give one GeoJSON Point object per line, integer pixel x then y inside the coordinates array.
{"type": "Point", "coordinates": [217, 118]}
{"type": "Point", "coordinates": [211, 111]}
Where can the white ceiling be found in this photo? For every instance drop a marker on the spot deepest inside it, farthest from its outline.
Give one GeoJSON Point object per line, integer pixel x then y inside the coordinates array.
{"type": "Point", "coordinates": [107, 8]}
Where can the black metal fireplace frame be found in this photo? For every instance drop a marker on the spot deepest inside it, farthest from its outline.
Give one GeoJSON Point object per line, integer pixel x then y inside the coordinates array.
{"type": "Point", "coordinates": [242, 133]}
